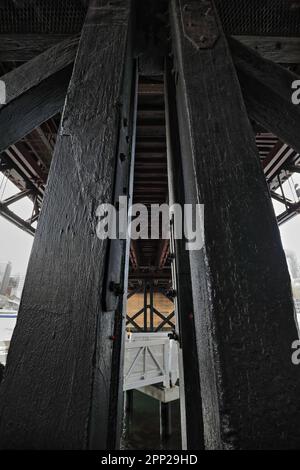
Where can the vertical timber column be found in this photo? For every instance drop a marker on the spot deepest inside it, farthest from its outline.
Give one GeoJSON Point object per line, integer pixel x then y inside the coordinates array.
{"type": "Point", "coordinates": [244, 313]}
{"type": "Point", "coordinates": [56, 391]}
{"type": "Point", "coordinates": [190, 390]}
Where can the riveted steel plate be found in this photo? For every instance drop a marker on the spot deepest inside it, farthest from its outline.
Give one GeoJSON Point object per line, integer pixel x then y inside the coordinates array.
{"type": "Point", "coordinates": [199, 23]}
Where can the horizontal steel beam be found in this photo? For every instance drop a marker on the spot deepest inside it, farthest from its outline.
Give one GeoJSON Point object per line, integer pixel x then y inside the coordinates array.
{"type": "Point", "coordinates": [15, 219]}
{"type": "Point", "coordinates": [16, 197]}
{"type": "Point", "coordinates": [23, 47]}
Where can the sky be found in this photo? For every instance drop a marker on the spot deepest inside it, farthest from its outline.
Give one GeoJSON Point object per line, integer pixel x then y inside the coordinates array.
{"type": "Point", "coordinates": [290, 231]}
{"type": "Point", "coordinates": [15, 244]}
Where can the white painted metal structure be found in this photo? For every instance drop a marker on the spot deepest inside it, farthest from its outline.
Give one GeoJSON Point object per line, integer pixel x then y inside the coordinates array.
{"type": "Point", "coordinates": [297, 307]}
{"type": "Point", "coordinates": [8, 319]}
{"type": "Point", "coordinates": [150, 358]}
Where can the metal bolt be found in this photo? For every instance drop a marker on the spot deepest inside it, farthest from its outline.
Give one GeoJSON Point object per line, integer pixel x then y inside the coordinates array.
{"type": "Point", "coordinates": [116, 288]}
{"type": "Point", "coordinates": [172, 293]}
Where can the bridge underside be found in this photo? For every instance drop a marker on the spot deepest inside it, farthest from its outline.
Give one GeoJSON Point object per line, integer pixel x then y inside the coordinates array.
{"type": "Point", "coordinates": [179, 102]}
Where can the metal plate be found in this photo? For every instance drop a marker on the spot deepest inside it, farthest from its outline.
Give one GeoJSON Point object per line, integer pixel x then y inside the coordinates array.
{"type": "Point", "coordinates": [199, 23]}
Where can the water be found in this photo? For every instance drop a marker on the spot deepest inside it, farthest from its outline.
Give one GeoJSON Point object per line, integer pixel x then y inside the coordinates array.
{"type": "Point", "coordinates": [141, 431]}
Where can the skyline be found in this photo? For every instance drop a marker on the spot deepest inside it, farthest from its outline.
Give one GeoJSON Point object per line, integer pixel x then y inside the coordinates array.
{"type": "Point", "coordinates": [16, 245]}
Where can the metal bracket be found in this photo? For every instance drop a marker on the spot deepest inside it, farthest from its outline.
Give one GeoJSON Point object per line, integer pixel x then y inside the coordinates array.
{"type": "Point", "coordinates": [199, 23]}
{"type": "Point", "coordinates": [114, 282]}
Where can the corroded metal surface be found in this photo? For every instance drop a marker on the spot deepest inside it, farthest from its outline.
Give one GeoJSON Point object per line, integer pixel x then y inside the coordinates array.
{"type": "Point", "coordinates": [199, 23]}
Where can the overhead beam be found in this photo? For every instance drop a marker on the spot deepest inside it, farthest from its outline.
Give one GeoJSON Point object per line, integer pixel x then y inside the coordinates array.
{"type": "Point", "coordinates": [10, 216]}
{"type": "Point", "coordinates": [289, 214]}
{"type": "Point", "coordinates": [68, 389]}
{"type": "Point", "coordinates": [33, 107]}
{"type": "Point", "coordinates": [284, 50]}
{"type": "Point", "coordinates": [159, 275]}
{"type": "Point", "coordinates": [283, 200]}
{"type": "Point", "coordinates": [32, 73]}
{"type": "Point", "coordinates": [16, 197]}
{"type": "Point", "coordinates": [23, 47]}
{"type": "Point", "coordinates": [244, 332]}
{"type": "Point", "coordinates": [267, 91]}
{"type": "Point", "coordinates": [22, 158]}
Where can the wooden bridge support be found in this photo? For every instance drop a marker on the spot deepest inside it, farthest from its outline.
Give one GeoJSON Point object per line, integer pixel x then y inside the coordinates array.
{"type": "Point", "coordinates": [59, 381]}
{"type": "Point", "coordinates": [165, 420]}
{"type": "Point", "coordinates": [62, 377]}
{"type": "Point", "coordinates": [190, 390]}
{"type": "Point", "coordinates": [241, 288]}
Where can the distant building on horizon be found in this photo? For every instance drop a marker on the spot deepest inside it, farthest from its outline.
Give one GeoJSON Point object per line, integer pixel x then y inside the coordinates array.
{"type": "Point", "coordinates": [17, 283]}
{"type": "Point", "coordinates": [292, 263]}
{"type": "Point", "coordinates": [5, 273]}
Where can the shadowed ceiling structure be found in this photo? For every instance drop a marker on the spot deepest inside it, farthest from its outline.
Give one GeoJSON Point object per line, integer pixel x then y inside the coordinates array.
{"type": "Point", "coordinates": [192, 100]}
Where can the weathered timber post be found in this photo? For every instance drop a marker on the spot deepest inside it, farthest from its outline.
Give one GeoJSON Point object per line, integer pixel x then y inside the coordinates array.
{"type": "Point", "coordinates": [165, 420]}
{"type": "Point", "coordinates": [57, 389]}
{"type": "Point", "coordinates": [244, 311]}
{"type": "Point", "coordinates": [190, 391]}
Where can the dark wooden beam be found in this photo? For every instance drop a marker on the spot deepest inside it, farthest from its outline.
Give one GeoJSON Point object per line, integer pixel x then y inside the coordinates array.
{"type": "Point", "coordinates": [61, 352]}
{"type": "Point", "coordinates": [192, 431]}
{"type": "Point", "coordinates": [23, 47]}
{"type": "Point", "coordinates": [33, 107]}
{"type": "Point", "coordinates": [159, 274]}
{"type": "Point", "coordinates": [32, 73]}
{"type": "Point", "coordinates": [284, 50]}
{"type": "Point", "coordinates": [244, 311]}
{"type": "Point", "coordinates": [267, 91]}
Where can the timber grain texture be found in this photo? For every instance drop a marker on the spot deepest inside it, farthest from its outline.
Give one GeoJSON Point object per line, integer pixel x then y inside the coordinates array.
{"type": "Point", "coordinates": [24, 47]}
{"type": "Point", "coordinates": [267, 91]}
{"type": "Point", "coordinates": [244, 312]}
{"type": "Point", "coordinates": [33, 72]}
{"type": "Point", "coordinates": [185, 323]}
{"type": "Point", "coordinates": [282, 50]}
{"type": "Point", "coordinates": [61, 347]}
{"type": "Point", "coordinates": [32, 108]}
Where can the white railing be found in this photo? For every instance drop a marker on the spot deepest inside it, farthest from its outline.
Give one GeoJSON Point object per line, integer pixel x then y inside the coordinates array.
{"type": "Point", "coordinates": [297, 305]}
{"type": "Point", "coordinates": [4, 345]}
{"type": "Point", "coordinates": [150, 358]}
{"type": "Point", "coordinates": [8, 320]}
